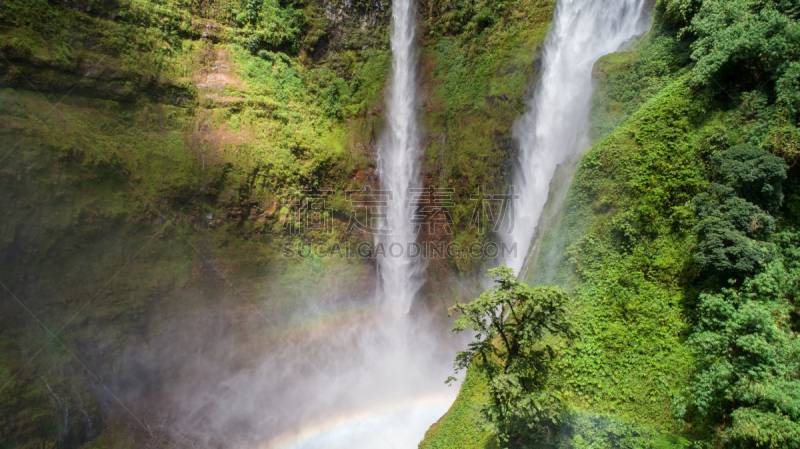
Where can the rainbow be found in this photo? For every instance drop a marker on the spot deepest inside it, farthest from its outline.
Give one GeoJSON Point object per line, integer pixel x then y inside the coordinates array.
{"type": "Point", "coordinates": [396, 425]}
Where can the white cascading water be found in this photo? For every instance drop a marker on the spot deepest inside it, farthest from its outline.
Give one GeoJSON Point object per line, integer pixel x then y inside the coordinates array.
{"type": "Point", "coordinates": [557, 121]}
{"type": "Point", "coordinates": [398, 166]}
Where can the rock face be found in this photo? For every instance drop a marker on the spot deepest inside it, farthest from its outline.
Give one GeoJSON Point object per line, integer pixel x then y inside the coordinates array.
{"type": "Point", "coordinates": [368, 14]}
{"type": "Point", "coordinates": [133, 147]}
{"type": "Point", "coordinates": [347, 25]}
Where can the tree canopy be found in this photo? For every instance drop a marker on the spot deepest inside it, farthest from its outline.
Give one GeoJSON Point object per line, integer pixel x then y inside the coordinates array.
{"type": "Point", "coordinates": [757, 38]}
{"type": "Point", "coordinates": [747, 375]}
{"type": "Point", "coordinates": [731, 232]}
{"type": "Point", "coordinates": [749, 51]}
{"type": "Point", "coordinates": [732, 227]}
{"type": "Point", "coordinates": [518, 331]}
{"type": "Point", "coordinates": [756, 175]}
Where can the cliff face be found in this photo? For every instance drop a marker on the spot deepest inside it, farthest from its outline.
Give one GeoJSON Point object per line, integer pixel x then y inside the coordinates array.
{"type": "Point", "coordinates": [150, 154]}
{"type": "Point", "coordinates": [146, 156]}
{"type": "Point", "coordinates": [479, 63]}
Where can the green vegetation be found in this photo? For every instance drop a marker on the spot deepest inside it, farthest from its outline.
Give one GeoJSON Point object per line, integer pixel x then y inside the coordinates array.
{"type": "Point", "coordinates": [269, 23]}
{"type": "Point", "coordinates": [518, 329]}
{"type": "Point", "coordinates": [478, 61]}
{"type": "Point", "coordinates": [148, 148]}
{"type": "Point", "coordinates": [746, 378]}
{"type": "Point", "coordinates": [676, 241]}
{"type": "Point", "coordinates": [729, 230]}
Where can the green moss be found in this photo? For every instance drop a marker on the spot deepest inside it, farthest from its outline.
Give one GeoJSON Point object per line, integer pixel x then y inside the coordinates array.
{"type": "Point", "coordinates": [463, 425]}
{"type": "Point", "coordinates": [476, 72]}
{"type": "Point", "coordinates": [117, 436]}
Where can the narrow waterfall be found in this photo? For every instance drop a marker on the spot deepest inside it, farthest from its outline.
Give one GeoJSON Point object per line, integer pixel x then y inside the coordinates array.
{"type": "Point", "coordinates": [556, 123]}
{"type": "Point", "coordinates": [398, 166]}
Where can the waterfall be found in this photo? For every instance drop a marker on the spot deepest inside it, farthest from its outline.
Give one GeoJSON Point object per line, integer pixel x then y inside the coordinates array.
{"type": "Point", "coordinates": [555, 126]}
{"type": "Point", "coordinates": [398, 166]}
{"type": "Point", "coordinates": [60, 404]}
{"type": "Point", "coordinates": [89, 430]}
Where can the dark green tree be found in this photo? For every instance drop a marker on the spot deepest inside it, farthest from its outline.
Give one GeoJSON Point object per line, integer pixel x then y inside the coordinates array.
{"type": "Point", "coordinates": [731, 231]}
{"type": "Point", "coordinates": [518, 330]}
{"type": "Point", "coordinates": [756, 175]}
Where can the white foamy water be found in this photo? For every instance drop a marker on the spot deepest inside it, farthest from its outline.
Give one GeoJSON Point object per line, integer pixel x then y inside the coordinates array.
{"type": "Point", "coordinates": [557, 121]}
{"type": "Point", "coordinates": [398, 166]}
{"type": "Point", "coordinates": [358, 379]}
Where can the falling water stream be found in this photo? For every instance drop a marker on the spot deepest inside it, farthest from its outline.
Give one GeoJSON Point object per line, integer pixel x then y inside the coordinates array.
{"type": "Point", "coordinates": [401, 421]}
{"type": "Point", "coordinates": [556, 124]}
{"type": "Point", "coordinates": [398, 156]}
{"type": "Point", "coordinates": [372, 376]}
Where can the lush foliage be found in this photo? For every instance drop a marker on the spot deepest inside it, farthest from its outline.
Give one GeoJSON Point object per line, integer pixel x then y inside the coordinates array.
{"type": "Point", "coordinates": [756, 175]}
{"type": "Point", "coordinates": [750, 47]}
{"type": "Point", "coordinates": [269, 23]}
{"type": "Point", "coordinates": [747, 374]}
{"type": "Point", "coordinates": [731, 233]}
{"type": "Point", "coordinates": [756, 41]}
{"type": "Point", "coordinates": [518, 330]}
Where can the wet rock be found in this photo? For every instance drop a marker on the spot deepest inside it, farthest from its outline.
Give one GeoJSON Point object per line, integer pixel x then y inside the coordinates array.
{"type": "Point", "coordinates": [490, 99]}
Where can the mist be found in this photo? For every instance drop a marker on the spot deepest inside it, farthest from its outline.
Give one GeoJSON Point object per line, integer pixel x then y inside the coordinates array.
{"type": "Point", "coordinates": [352, 365]}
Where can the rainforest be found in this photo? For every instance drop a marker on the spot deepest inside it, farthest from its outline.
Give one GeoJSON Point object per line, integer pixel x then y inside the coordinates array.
{"type": "Point", "coordinates": [386, 224]}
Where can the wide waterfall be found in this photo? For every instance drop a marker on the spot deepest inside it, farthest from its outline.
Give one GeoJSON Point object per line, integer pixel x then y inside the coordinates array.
{"type": "Point", "coordinates": [397, 162]}
{"type": "Point", "coordinates": [557, 121]}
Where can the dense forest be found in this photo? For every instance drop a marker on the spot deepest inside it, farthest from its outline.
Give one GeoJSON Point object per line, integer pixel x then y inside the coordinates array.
{"type": "Point", "coordinates": [151, 152]}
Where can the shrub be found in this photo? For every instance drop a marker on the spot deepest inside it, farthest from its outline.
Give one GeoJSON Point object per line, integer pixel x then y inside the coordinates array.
{"type": "Point", "coordinates": [729, 230]}
{"type": "Point", "coordinates": [755, 174]}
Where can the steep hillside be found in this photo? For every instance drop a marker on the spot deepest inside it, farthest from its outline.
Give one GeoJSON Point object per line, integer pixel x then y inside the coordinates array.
{"type": "Point", "coordinates": [665, 287]}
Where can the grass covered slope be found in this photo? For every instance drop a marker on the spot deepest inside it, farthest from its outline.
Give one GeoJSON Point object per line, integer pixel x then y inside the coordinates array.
{"type": "Point", "coordinates": [461, 426]}
{"type": "Point", "coordinates": [658, 328]}
{"type": "Point", "coordinates": [628, 362]}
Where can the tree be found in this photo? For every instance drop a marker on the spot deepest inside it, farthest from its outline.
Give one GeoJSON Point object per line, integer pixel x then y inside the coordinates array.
{"type": "Point", "coordinates": [518, 329]}
{"type": "Point", "coordinates": [732, 227]}
{"type": "Point", "coordinates": [755, 174]}
{"type": "Point", "coordinates": [731, 231]}
{"type": "Point", "coordinates": [757, 40]}
{"type": "Point", "coordinates": [746, 382]}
